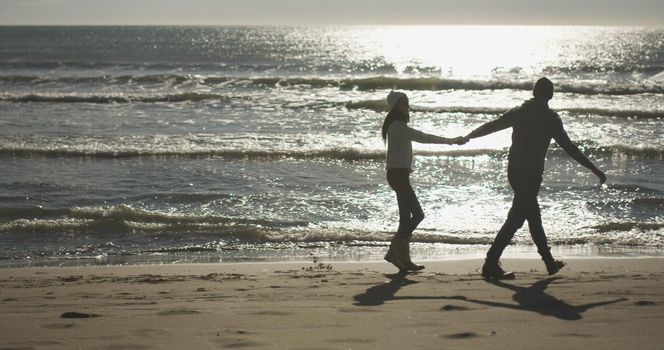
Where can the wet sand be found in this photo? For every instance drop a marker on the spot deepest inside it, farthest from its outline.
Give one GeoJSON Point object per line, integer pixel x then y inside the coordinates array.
{"type": "Point", "coordinates": [597, 303]}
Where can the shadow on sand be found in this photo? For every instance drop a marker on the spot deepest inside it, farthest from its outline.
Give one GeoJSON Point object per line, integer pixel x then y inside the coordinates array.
{"type": "Point", "coordinates": [378, 295]}
{"type": "Point", "coordinates": [532, 298]}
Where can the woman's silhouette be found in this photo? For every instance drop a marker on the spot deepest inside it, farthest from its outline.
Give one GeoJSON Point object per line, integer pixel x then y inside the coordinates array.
{"type": "Point", "coordinates": [399, 159]}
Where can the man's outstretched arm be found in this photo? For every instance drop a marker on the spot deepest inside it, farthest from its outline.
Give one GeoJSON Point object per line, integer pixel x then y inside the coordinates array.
{"type": "Point", "coordinates": [505, 121]}
{"type": "Point", "coordinates": [568, 146]}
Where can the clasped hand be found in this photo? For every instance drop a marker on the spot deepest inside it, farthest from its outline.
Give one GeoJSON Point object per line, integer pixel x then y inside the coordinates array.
{"type": "Point", "coordinates": [460, 140]}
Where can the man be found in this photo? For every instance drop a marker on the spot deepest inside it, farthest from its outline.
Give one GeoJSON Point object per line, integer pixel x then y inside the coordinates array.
{"type": "Point", "coordinates": [533, 126]}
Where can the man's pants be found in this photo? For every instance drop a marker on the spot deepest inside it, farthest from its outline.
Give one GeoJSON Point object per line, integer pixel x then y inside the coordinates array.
{"type": "Point", "coordinates": [526, 185]}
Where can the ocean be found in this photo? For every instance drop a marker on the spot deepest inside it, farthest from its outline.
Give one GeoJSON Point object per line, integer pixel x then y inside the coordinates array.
{"type": "Point", "coordinates": [124, 145]}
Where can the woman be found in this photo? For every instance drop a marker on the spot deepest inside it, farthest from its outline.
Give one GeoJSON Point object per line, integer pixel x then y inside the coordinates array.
{"type": "Point", "coordinates": [399, 159]}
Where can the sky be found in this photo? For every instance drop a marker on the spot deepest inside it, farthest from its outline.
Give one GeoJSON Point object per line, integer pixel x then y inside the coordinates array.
{"type": "Point", "coordinates": [330, 12]}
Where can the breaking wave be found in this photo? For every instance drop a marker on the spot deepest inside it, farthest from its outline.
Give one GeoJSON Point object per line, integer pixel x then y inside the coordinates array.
{"type": "Point", "coordinates": [367, 83]}
{"type": "Point", "coordinates": [184, 97]}
{"type": "Point", "coordinates": [344, 153]}
{"type": "Point", "coordinates": [381, 106]}
{"type": "Point", "coordinates": [375, 105]}
{"type": "Point", "coordinates": [454, 84]}
{"type": "Point", "coordinates": [128, 220]}
{"type": "Point", "coordinates": [629, 226]}
{"type": "Point", "coordinates": [122, 218]}
{"type": "Point", "coordinates": [115, 149]}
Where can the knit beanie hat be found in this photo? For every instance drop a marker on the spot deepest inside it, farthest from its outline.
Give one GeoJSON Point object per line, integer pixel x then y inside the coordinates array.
{"type": "Point", "coordinates": [393, 98]}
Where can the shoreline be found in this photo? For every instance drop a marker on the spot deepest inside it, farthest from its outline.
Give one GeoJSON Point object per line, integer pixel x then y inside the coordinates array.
{"type": "Point", "coordinates": [460, 265]}
{"type": "Point", "coordinates": [333, 254]}
{"type": "Point", "coordinates": [593, 303]}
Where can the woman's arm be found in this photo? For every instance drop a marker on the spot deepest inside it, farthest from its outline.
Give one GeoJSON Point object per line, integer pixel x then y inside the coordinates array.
{"type": "Point", "coordinates": [421, 137]}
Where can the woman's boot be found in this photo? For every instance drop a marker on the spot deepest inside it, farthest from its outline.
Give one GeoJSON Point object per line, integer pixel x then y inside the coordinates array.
{"type": "Point", "coordinates": [410, 265]}
{"type": "Point", "coordinates": [395, 253]}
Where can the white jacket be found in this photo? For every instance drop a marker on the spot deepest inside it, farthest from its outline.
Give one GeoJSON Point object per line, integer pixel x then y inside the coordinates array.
{"type": "Point", "coordinates": [399, 144]}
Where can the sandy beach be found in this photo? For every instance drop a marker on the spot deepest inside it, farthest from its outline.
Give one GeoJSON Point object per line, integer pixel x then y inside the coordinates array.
{"type": "Point", "coordinates": [598, 303]}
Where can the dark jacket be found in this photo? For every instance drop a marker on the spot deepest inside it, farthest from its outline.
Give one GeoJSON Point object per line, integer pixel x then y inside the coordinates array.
{"type": "Point", "coordinates": [533, 126]}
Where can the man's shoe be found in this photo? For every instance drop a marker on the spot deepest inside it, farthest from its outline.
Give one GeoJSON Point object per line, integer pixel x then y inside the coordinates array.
{"type": "Point", "coordinates": [411, 266]}
{"type": "Point", "coordinates": [554, 266]}
{"type": "Point", "coordinates": [493, 271]}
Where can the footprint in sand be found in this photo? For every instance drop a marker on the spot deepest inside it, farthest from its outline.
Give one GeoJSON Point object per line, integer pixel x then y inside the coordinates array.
{"type": "Point", "coordinates": [463, 335]}
{"type": "Point", "coordinates": [149, 333]}
{"type": "Point", "coordinates": [645, 303]}
{"type": "Point", "coordinates": [228, 339]}
{"type": "Point", "coordinates": [228, 343]}
{"type": "Point", "coordinates": [454, 308]}
{"type": "Point", "coordinates": [126, 347]}
{"type": "Point", "coordinates": [356, 310]}
{"type": "Point", "coordinates": [178, 312]}
{"type": "Point", "coordinates": [29, 344]}
{"type": "Point", "coordinates": [574, 335]}
{"type": "Point", "coordinates": [271, 313]}
{"type": "Point", "coordinates": [77, 315]}
{"type": "Point", "coordinates": [351, 341]}
{"type": "Point", "coordinates": [70, 278]}
{"type": "Point", "coordinates": [58, 325]}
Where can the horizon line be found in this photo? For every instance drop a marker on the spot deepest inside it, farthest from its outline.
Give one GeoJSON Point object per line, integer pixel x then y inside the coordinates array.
{"type": "Point", "coordinates": [332, 25]}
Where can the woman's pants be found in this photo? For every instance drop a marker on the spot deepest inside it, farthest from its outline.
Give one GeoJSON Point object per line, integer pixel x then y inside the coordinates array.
{"type": "Point", "coordinates": [410, 211]}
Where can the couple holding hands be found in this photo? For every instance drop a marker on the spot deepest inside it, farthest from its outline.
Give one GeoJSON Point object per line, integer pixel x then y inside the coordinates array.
{"type": "Point", "coordinates": [533, 126]}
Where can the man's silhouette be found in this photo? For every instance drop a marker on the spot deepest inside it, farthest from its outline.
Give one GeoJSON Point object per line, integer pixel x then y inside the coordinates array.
{"type": "Point", "coordinates": [533, 126]}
